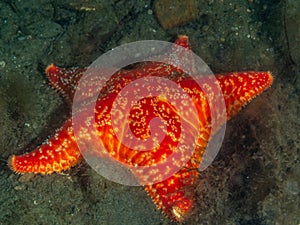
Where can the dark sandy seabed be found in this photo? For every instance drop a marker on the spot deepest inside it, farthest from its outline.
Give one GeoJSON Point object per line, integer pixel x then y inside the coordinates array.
{"type": "Point", "coordinates": [255, 178]}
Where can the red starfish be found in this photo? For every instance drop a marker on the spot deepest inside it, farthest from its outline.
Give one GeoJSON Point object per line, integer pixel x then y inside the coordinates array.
{"type": "Point", "coordinates": [61, 152]}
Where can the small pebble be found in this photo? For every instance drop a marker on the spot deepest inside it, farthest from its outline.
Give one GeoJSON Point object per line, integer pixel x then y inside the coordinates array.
{"type": "Point", "coordinates": [2, 64]}
{"type": "Point", "coordinates": [20, 187]}
{"type": "Point", "coordinates": [26, 178]}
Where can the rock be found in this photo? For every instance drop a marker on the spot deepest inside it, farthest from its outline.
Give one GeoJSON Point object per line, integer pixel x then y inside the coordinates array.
{"type": "Point", "coordinates": [174, 13]}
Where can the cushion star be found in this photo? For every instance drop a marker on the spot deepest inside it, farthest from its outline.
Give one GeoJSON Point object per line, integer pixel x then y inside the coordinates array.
{"type": "Point", "coordinates": [60, 152]}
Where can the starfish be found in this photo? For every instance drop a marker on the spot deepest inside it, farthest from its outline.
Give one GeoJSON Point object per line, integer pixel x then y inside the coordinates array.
{"type": "Point", "coordinates": [61, 152]}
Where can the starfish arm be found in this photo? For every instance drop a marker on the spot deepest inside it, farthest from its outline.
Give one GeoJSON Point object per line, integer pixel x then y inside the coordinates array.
{"type": "Point", "coordinates": [58, 153]}
{"type": "Point", "coordinates": [172, 195]}
{"type": "Point", "coordinates": [183, 41]}
{"type": "Point", "coordinates": [64, 80]}
{"type": "Point", "coordinates": [239, 88]}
